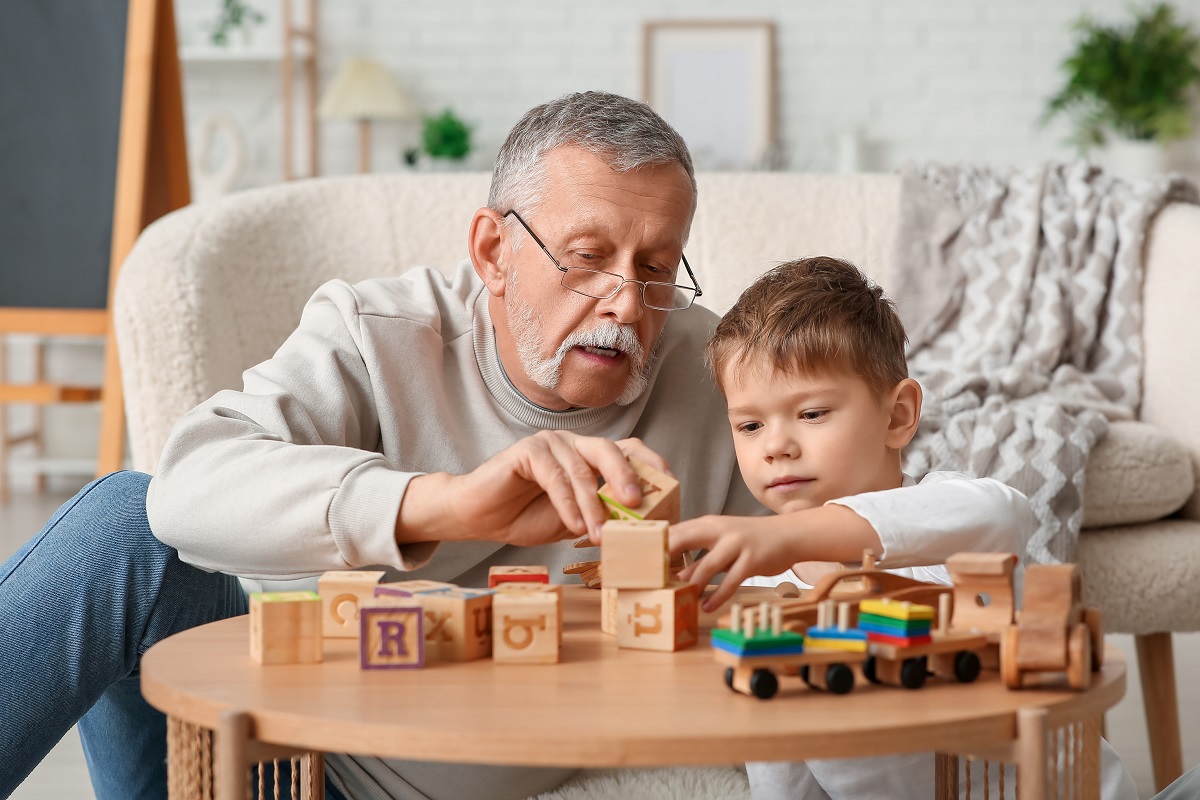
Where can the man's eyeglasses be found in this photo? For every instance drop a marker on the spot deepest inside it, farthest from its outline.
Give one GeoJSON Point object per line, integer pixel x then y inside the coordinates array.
{"type": "Point", "coordinates": [603, 285]}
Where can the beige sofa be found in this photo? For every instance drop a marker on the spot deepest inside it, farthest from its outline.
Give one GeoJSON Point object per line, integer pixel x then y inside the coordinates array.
{"type": "Point", "coordinates": [214, 288]}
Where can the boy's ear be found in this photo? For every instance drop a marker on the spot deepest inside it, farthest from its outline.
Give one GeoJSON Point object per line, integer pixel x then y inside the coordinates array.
{"type": "Point", "coordinates": [905, 403]}
{"type": "Point", "coordinates": [485, 241]}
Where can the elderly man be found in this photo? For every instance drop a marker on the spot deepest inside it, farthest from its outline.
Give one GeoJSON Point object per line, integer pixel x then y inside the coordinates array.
{"type": "Point", "coordinates": [436, 427]}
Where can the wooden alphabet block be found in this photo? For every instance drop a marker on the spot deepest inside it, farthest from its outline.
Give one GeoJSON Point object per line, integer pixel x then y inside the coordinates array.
{"type": "Point", "coordinates": [524, 586]}
{"type": "Point", "coordinates": [458, 623]}
{"type": "Point", "coordinates": [398, 588]}
{"type": "Point", "coordinates": [533, 574]}
{"type": "Point", "coordinates": [526, 626]}
{"type": "Point", "coordinates": [633, 554]}
{"type": "Point", "coordinates": [391, 637]}
{"type": "Point", "coordinates": [285, 627]}
{"type": "Point", "coordinates": [660, 496]}
{"type": "Point", "coordinates": [658, 619]}
{"type": "Point", "coordinates": [608, 611]}
{"type": "Point", "coordinates": [342, 592]}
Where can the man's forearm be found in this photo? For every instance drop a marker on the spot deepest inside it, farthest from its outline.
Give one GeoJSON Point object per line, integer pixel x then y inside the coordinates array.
{"type": "Point", "coordinates": [424, 513]}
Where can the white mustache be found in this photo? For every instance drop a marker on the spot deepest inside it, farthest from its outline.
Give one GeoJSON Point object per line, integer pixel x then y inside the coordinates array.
{"type": "Point", "coordinates": [608, 335]}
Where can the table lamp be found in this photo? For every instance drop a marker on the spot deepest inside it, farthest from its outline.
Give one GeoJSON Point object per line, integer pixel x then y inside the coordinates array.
{"type": "Point", "coordinates": [364, 90]}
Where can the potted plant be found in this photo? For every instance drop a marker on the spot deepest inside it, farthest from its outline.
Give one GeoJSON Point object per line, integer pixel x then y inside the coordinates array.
{"type": "Point", "coordinates": [1127, 86]}
{"type": "Point", "coordinates": [235, 15]}
{"type": "Point", "coordinates": [445, 137]}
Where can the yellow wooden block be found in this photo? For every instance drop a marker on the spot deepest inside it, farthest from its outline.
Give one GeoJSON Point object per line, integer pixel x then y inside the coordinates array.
{"type": "Point", "coordinates": [391, 637]}
{"type": "Point", "coordinates": [634, 555]}
{"type": "Point", "coordinates": [458, 623]}
{"type": "Point", "coordinates": [285, 627]}
{"type": "Point", "coordinates": [342, 592]}
{"type": "Point", "coordinates": [660, 496]}
{"type": "Point", "coordinates": [896, 609]}
{"type": "Point", "coordinates": [658, 619]}
{"type": "Point", "coordinates": [526, 627]}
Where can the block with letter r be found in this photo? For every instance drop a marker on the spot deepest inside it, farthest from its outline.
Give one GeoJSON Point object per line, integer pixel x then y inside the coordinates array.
{"type": "Point", "coordinates": [392, 637]}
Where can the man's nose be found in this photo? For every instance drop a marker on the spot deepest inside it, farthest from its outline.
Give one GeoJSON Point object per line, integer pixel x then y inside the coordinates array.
{"type": "Point", "coordinates": [624, 307]}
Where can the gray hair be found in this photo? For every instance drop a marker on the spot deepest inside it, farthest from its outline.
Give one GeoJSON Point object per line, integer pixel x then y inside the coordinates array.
{"type": "Point", "coordinates": [624, 133]}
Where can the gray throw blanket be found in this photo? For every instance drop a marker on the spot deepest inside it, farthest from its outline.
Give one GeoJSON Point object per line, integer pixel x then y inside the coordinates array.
{"type": "Point", "coordinates": [1021, 294]}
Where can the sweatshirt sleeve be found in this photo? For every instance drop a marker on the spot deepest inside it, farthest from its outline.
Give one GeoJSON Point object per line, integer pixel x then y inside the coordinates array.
{"type": "Point", "coordinates": [283, 479]}
{"type": "Point", "coordinates": [946, 513]}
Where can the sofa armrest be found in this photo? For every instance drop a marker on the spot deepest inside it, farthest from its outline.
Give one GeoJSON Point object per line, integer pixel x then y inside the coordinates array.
{"type": "Point", "coordinates": [1171, 297]}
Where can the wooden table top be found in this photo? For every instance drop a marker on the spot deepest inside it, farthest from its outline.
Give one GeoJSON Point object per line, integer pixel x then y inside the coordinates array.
{"type": "Point", "coordinates": [599, 707]}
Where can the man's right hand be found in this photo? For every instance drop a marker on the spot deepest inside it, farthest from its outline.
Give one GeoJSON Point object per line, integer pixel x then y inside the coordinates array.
{"type": "Point", "coordinates": [540, 490]}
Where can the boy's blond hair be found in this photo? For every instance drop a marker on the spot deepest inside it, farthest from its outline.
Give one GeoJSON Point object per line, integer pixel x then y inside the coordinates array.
{"type": "Point", "coordinates": [810, 315]}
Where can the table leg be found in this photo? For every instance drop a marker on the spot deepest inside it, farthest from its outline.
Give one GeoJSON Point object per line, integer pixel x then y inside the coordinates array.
{"type": "Point", "coordinates": [945, 776]}
{"type": "Point", "coordinates": [1032, 754]}
{"type": "Point", "coordinates": [232, 767]}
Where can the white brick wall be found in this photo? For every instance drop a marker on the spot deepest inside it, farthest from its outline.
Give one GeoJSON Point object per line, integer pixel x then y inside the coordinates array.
{"type": "Point", "coordinates": [920, 79]}
{"type": "Point", "coordinates": [961, 79]}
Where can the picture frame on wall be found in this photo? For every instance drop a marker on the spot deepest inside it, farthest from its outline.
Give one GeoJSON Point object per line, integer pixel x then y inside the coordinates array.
{"type": "Point", "coordinates": [714, 81]}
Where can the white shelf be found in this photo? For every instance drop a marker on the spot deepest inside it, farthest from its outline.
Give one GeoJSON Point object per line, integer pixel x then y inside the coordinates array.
{"type": "Point", "coordinates": [229, 55]}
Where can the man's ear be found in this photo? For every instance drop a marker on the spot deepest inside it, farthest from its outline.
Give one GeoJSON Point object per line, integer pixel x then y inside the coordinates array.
{"type": "Point", "coordinates": [904, 400]}
{"type": "Point", "coordinates": [486, 241]}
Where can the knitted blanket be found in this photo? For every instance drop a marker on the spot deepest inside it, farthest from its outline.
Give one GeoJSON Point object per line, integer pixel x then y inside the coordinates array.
{"type": "Point", "coordinates": [1021, 294]}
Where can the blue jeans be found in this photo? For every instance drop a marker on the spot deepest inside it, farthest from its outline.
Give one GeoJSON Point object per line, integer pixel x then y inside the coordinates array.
{"type": "Point", "coordinates": [79, 604]}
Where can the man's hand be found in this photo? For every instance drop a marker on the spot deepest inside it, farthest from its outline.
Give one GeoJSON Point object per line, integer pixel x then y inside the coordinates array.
{"type": "Point", "coordinates": [540, 490]}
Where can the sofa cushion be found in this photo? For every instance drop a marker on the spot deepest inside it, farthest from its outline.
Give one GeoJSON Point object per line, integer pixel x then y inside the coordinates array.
{"type": "Point", "coordinates": [1137, 473]}
{"type": "Point", "coordinates": [1142, 577]}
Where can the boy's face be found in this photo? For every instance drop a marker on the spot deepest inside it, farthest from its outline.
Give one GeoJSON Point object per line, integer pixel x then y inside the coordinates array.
{"type": "Point", "coordinates": [803, 440]}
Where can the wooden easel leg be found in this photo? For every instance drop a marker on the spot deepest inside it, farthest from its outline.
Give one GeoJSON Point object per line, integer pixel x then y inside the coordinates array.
{"type": "Point", "coordinates": [1156, 665]}
{"type": "Point", "coordinates": [152, 177]}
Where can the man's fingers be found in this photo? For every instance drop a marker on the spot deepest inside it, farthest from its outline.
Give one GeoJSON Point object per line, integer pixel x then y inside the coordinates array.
{"type": "Point", "coordinates": [637, 449]}
{"type": "Point", "coordinates": [734, 576]}
{"type": "Point", "coordinates": [555, 478]}
{"type": "Point", "coordinates": [610, 461]}
{"type": "Point", "coordinates": [582, 477]}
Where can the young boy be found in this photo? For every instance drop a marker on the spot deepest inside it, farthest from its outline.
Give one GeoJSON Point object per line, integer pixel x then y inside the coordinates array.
{"type": "Point", "coordinates": [811, 361]}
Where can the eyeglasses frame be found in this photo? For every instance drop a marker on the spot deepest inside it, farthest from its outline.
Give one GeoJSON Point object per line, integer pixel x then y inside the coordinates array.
{"type": "Point", "coordinates": [695, 284]}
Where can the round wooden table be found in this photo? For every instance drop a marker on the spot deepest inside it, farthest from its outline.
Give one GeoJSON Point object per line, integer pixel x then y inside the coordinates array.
{"type": "Point", "coordinates": [602, 706]}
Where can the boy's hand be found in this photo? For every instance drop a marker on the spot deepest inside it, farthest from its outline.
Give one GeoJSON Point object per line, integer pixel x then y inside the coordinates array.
{"type": "Point", "coordinates": [738, 546]}
{"type": "Point", "coordinates": [746, 546]}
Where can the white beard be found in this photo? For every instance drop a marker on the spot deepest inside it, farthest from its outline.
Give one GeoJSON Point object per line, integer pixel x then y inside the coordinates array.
{"type": "Point", "coordinates": [526, 327]}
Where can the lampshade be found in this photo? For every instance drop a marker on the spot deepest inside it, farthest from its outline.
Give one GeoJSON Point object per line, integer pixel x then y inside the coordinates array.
{"type": "Point", "coordinates": [364, 89]}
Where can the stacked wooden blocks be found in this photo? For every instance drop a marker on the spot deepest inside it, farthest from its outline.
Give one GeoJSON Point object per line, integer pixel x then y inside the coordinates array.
{"type": "Point", "coordinates": [660, 501]}
{"type": "Point", "coordinates": [896, 622]}
{"type": "Point", "coordinates": [651, 611]}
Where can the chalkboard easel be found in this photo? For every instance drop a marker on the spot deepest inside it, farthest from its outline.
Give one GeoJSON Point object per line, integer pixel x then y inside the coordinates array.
{"type": "Point", "coordinates": [151, 180]}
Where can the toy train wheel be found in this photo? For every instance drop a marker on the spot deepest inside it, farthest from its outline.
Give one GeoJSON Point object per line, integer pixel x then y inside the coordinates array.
{"type": "Point", "coordinates": [763, 684]}
{"type": "Point", "coordinates": [913, 672]}
{"type": "Point", "coordinates": [966, 666]}
{"type": "Point", "coordinates": [839, 679]}
{"type": "Point", "coordinates": [868, 669]}
{"type": "Point", "coordinates": [804, 673]}
{"type": "Point", "coordinates": [729, 677]}
{"type": "Point", "coordinates": [1079, 657]}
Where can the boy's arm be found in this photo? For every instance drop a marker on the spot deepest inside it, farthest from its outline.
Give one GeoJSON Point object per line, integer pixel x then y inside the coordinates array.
{"type": "Point", "coordinates": [946, 513]}
{"type": "Point", "coordinates": [745, 546]}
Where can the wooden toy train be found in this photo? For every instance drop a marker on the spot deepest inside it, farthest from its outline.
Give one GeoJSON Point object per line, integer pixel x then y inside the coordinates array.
{"type": "Point", "coordinates": [900, 630]}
